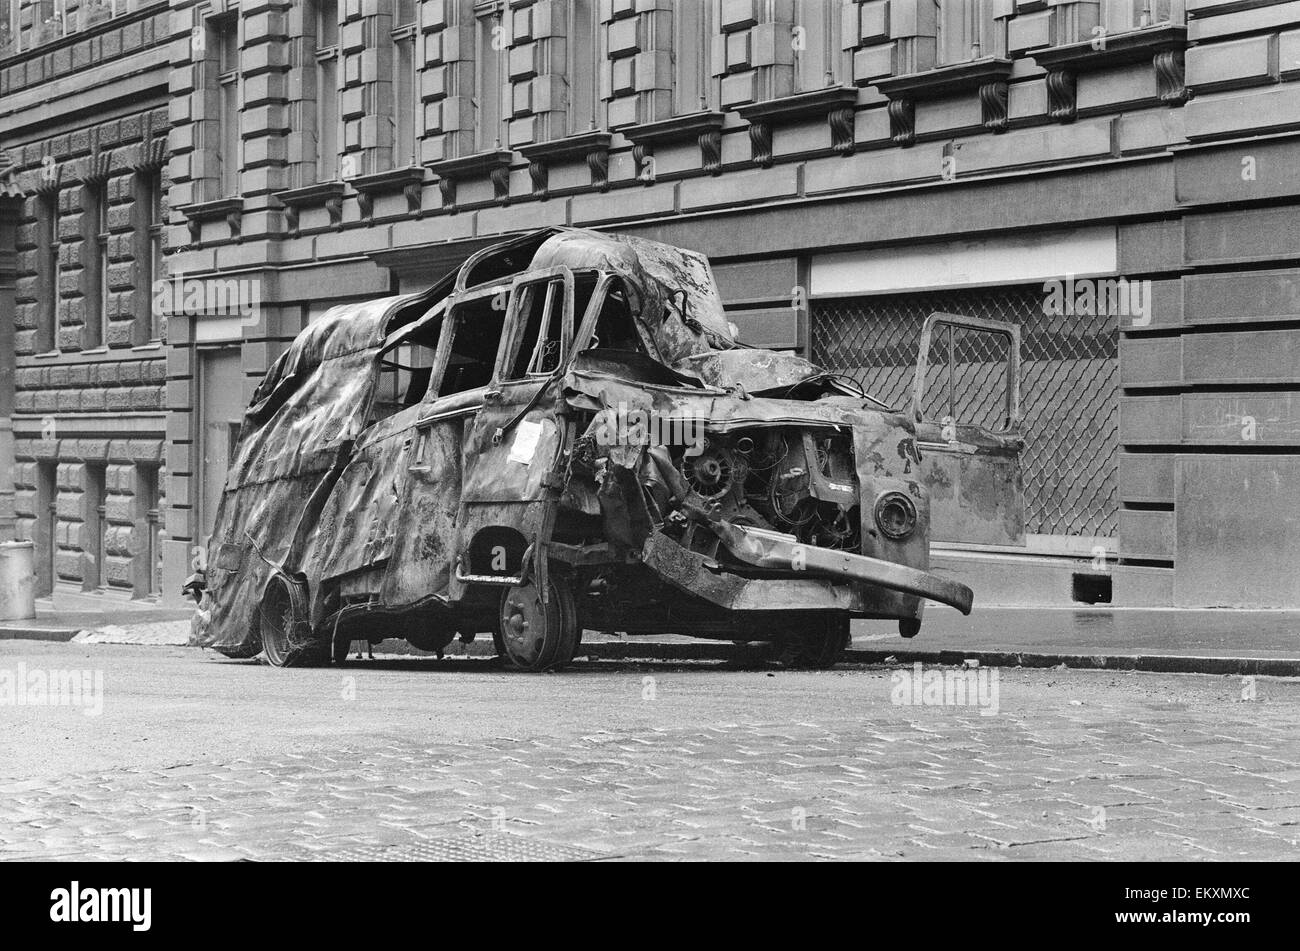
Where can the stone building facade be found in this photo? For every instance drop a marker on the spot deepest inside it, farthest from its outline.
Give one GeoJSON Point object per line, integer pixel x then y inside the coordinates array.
{"type": "Point", "coordinates": [83, 108]}
{"type": "Point", "coordinates": [1118, 177]}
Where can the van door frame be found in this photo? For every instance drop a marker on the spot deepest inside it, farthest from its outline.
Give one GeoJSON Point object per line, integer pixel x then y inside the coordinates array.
{"type": "Point", "coordinates": [963, 447]}
{"type": "Point", "coordinates": [506, 405]}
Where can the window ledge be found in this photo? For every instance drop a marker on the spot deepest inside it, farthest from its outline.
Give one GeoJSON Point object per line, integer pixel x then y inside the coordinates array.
{"type": "Point", "coordinates": [231, 209]}
{"type": "Point", "coordinates": [1117, 48]}
{"type": "Point", "coordinates": [592, 146]}
{"type": "Point", "coordinates": [495, 163]}
{"type": "Point", "coordinates": [1161, 45]}
{"type": "Point", "coordinates": [834, 103]}
{"type": "Point", "coordinates": [787, 108]}
{"type": "Point", "coordinates": [675, 129]}
{"type": "Point", "coordinates": [988, 76]}
{"type": "Point", "coordinates": [328, 195]}
{"type": "Point", "coordinates": [705, 127]}
{"type": "Point", "coordinates": [945, 80]}
{"type": "Point", "coordinates": [408, 179]}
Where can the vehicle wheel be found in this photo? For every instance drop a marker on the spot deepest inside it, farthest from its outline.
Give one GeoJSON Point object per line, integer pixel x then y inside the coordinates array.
{"type": "Point", "coordinates": [909, 626]}
{"type": "Point", "coordinates": [818, 645]}
{"type": "Point", "coordinates": [534, 636]}
{"type": "Point", "coordinates": [287, 637]}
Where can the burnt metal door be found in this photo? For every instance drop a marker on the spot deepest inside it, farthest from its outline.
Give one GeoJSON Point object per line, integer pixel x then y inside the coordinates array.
{"type": "Point", "coordinates": [966, 403]}
{"type": "Point", "coordinates": [515, 442]}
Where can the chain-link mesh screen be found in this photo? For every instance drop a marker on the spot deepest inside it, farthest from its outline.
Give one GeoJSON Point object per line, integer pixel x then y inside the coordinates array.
{"type": "Point", "coordinates": [967, 377]}
{"type": "Point", "coordinates": [1069, 378]}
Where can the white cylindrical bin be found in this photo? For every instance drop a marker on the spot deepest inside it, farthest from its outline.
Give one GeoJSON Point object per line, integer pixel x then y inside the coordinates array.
{"type": "Point", "coordinates": [17, 581]}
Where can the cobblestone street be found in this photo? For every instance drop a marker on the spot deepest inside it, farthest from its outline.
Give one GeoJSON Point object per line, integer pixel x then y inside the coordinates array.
{"type": "Point", "coordinates": [198, 757]}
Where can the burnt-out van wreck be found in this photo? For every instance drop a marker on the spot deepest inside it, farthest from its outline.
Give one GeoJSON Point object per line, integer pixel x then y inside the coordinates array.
{"type": "Point", "coordinates": [564, 435]}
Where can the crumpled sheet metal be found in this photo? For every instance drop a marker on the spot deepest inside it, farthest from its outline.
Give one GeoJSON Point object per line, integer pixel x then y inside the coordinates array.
{"type": "Point", "coordinates": [305, 413]}
{"type": "Point", "coordinates": [723, 411]}
{"type": "Point", "coordinates": [674, 292]}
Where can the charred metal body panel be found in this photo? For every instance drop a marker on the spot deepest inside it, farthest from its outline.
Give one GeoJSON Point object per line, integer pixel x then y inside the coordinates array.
{"type": "Point", "coordinates": [563, 434]}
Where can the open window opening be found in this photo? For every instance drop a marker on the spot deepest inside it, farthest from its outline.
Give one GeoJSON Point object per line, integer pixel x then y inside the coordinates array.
{"type": "Point", "coordinates": [476, 336]}
{"type": "Point", "coordinates": [615, 326]}
{"type": "Point", "coordinates": [405, 371]}
{"type": "Point", "coordinates": [540, 348]}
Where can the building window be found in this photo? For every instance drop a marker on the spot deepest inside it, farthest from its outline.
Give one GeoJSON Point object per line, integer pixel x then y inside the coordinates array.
{"type": "Point", "coordinates": [692, 41]}
{"type": "Point", "coordinates": [406, 100]}
{"type": "Point", "coordinates": [489, 80]}
{"type": "Point", "coordinates": [816, 40]}
{"type": "Point", "coordinates": [327, 90]}
{"type": "Point", "coordinates": [1119, 16]}
{"type": "Point", "coordinates": [229, 141]}
{"type": "Point", "coordinates": [584, 52]}
{"type": "Point", "coordinates": [47, 272]}
{"type": "Point", "coordinates": [966, 30]}
{"type": "Point", "coordinates": [94, 286]}
{"type": "Point", "coordinates": [149, 267]}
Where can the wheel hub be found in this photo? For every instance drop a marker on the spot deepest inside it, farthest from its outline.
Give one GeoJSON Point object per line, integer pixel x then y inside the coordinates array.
{"type": "Point", "coordinates": [521, 623]}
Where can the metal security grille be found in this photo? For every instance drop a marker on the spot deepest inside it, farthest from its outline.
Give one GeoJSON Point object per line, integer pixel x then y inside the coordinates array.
{"type": "Point", "coordinates": [1069, 383]}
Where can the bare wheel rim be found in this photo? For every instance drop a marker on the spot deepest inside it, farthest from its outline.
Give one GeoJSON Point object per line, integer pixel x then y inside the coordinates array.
{"type": "Point", "coordinates": [535, 636]}
{"type": "Point", "coordinates": [284, 633]}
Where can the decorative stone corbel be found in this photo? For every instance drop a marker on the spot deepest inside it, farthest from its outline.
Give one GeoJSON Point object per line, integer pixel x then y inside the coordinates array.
{"type": "Point", "coordinates": [993, 106]}
{"type": "Point", "coordinates": [1061, 95]}
{"type": "Point", "coordinates": [327, 195]}
{"type": "Point", "coordinates": [835, 103]}
{"type": "Point", "coordinates": [590, 147]}
{"type": "Point", "coordinates": [705, 128]}
{"type": "Point", "coordinates": [96, 167]}
{"type": "Point", "coordinates": [1171, 85]}
{"type": "Point", "coordinates": [1161, 45]}
{"type": "Point", "coordinates": [495, 164]}
{"type": "Point", "coordinates": [230, 209]}
{"type": "Point", "coordinates": [902, 121]}
{"type": "Point", "coordinates": [985, 78]}
{"type": "Point", "coordinates": [409, 180]}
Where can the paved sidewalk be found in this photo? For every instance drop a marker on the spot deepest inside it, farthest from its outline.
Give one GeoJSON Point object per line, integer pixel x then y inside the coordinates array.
{"type": "Point", "coordinates": [1246, 642]}
{"type": "Point", "coordinates": [69, 613]}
